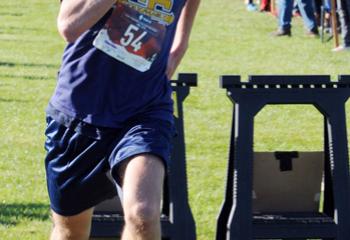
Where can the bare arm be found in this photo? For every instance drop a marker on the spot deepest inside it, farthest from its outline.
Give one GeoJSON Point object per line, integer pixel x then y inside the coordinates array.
{"type": "Point", "coordinates": [77, 16]}
{"type": "Point", "coordinates": [182, 35]}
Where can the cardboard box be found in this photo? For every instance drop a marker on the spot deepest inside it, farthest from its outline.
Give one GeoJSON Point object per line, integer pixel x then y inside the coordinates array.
{"type": "Point", "coordinates": [287, 181]}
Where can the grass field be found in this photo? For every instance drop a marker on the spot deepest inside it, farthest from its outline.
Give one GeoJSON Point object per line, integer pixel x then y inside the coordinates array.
{"type": "Point", "coordinates": [226, 40]}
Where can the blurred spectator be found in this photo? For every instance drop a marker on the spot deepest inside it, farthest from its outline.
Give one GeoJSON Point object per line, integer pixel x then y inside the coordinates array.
{"type": "Point", "coordinates": [285, 10]}
{"type": "Point", "coordinates": [317, 8]}
{"type": "Point", "coordinates": [296, 12]}
{"type": "Point", "coordinates": [268, 6]}
{"type": "Point", "coordinates": [326, 4]}
{"type": "Point", "coordinates": [251, 7]}
{"type": "Point", "coordinates": [344, 13]}
{"type": "Point", "coordinates": [265, 6]}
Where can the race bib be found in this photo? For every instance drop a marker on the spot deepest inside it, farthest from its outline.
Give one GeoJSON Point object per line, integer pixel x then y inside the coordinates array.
{"type": "Point", "coordinates": [131, 37]}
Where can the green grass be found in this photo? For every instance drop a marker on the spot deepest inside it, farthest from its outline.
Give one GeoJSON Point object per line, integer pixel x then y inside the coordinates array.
{"type": "Point", "coordinates": [226, 40]}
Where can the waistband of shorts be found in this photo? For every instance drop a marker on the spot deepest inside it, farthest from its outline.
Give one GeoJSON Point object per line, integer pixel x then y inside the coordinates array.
{"type": "Point", "coordinates": [78, 125]}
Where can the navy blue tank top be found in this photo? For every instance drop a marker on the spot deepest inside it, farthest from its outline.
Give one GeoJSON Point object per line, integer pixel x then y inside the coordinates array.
{"type": "Point", "coordinates": [115, 71]}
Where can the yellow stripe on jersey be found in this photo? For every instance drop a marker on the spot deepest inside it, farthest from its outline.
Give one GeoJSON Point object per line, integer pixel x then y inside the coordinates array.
{"type": "Point", "coordinates": [151, 8]}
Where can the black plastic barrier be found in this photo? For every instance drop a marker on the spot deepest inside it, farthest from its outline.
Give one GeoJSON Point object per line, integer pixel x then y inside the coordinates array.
{"type": "Point", "coordinates": [177, 221]}
{"type": "Point", "coordinates": [236, 220]}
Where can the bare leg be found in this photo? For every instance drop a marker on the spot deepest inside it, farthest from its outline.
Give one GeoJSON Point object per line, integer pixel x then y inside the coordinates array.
{"type": "Point", "coordinates": [75, 227]}
{"type": "Point", "coordinates": [142, 190]}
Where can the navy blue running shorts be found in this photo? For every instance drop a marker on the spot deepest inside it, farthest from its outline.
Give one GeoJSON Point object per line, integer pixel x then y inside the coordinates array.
{"type": "Point", "coordinates": [80, 158]}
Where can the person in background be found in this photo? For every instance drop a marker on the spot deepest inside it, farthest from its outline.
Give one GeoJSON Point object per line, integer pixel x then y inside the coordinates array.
{"type": "Point", "coordinates": [285, 10]}
{"type": "Point", "coordinates": [344, 18]}
{"type": "Point", "coordinates": [251, 6]}
{"type": "Point", "coordinates": [265, 6]}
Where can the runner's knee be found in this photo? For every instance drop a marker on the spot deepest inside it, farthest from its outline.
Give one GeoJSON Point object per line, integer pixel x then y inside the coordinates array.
{"type": "Point", "coordinates": [142, 215]}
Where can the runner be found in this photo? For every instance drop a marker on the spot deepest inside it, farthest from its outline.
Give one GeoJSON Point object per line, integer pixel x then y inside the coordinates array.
{"type": "Point", "coordinates": [109, 121]}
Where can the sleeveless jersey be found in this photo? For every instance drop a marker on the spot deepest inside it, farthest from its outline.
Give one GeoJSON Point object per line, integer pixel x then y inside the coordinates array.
{"type": "Point", "coordinates": [115, 71]}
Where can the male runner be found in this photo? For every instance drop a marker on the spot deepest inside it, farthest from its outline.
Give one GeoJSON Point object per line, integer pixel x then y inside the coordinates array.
{"type": "Point", "coordinates": [110, 119]}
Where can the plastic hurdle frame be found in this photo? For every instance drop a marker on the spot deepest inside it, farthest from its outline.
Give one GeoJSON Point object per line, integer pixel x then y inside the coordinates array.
{"type": "Point", "coordinates": [236, 220]}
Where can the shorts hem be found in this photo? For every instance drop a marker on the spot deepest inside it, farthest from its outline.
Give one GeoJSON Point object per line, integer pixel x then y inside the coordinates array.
{"type": "Point", "coordinates": [133, 154]}
{"type": "Point", "coordinates": [82, 209]}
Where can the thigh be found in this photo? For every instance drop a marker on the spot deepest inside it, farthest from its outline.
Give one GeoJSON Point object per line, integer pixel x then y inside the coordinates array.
{"type": "Point", "coordinates": [148, 139]}
{"type": "Point", "coordinates": [77, 226]}
{"type": "Point", "coordinates": [142, 180]}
